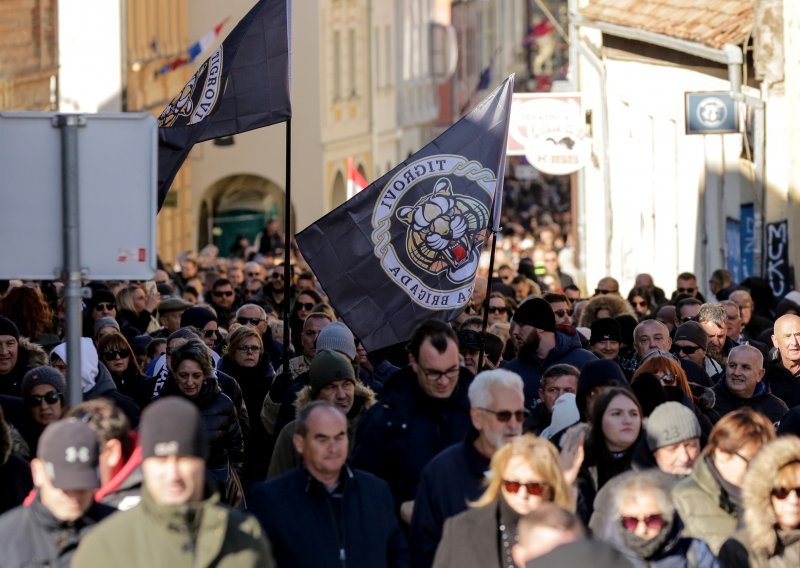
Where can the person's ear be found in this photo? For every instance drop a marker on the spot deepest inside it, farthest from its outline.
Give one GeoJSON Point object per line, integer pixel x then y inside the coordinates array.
{"type": "Point", "coordinates": [112, 451]}
{"type": "Point", "coordinates": [299, 443]}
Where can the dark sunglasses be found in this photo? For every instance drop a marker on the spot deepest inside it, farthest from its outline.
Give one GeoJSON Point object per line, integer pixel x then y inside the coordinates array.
{"type": "Point", "coordinates": [601, 291]}
{"type": "Point", "coordinates": [497, 310]}
{"type": "Point", "coordinates": [630, 524]}
{"type": "Point", "coordinates": [689, 318]}
{"type": "Point", "coordinates": [112, 354]}
{"type": "Point", "coordinates": [251, 321]}
{"type": "Point", "coordinates": [668, 379]}
{"type": "Point", "coordinates": [535, 488]}
{"type": "Point", "coordinates": [304, 306]}
{"type": "Point", "coordinates": [35, 400]}
{"type": "Point", "coordinates": [686, 290]}
{"type": "Point", "coordinates": [505, 415]}
{"type": "Point", "coordinates": [783, 492]}
{"type": "Point", "coordinates": [562, 313]}
{"type": "Point", "coordinates": [639, 304]}
{"type": "Point", "coordinates": [251, 274]}
{"type": "Point", "coordinates": [210, 333]}
{"type": "Point", "coordinates": [252, 292]}
{"type": "Point", "coordinates": [686, 349]}
{"type": "Point", "coordinates": [227, 294]}
{"type": "Point", "coordinates": [105, 306]}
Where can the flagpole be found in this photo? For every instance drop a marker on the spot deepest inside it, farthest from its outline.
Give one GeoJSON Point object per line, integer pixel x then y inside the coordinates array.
{"type": "Point", "coordinates": [287, 247]}
{"type": "Point", "coordinates": [495, 231]}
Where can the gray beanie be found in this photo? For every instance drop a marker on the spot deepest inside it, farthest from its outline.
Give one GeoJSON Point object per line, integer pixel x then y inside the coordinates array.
{"type": "Point", "coordinates": [338, 337]}
{"type": "Point", "coordinates": [670, 423]}
{"type": "Point", "coordinates": [694, 332]}
{"type": "Point", "coordinates": [105, 321]}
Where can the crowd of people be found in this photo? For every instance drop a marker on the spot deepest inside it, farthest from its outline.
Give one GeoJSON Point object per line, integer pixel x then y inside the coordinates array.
{"type": "Point", "coordinates": [544, 427]}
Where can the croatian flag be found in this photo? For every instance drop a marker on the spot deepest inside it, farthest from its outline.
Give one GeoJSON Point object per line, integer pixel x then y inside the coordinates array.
{"type": "Point", "coordinates": [198, 47]}
{"type": "Point", "coordinates": [355, 181]}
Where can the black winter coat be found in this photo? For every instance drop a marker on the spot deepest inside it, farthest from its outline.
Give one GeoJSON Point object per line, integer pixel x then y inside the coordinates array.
{"type": "Point", "coordinates": [762, 401]}
{"type": "Point", "coordinates": [782, 383]}
{"type": "Point", "coordinates": [403, 432]}
{"type": "Point", "coordinates": [352, 527]}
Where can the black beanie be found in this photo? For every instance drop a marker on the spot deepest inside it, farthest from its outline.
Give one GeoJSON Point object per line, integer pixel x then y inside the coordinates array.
{"type": "Point", "coordinates": [102, 295]}
{"type": "Point", "coordinates": [172, 426]}
{"type": "Point", "coordinates": [197, 317]}
{"type": "Point", "coordinates": [627, 324]}
{"type": "Point", "coordinates": [538, 313]}
{"type": "Point", "coordinates": [605, 329]}
{"type": "Point", "coordinates": [8, 327]}
{"type": "Point", "coordinates": [649, 391]}
{"type": "Point", "coordinates": [598, 373]}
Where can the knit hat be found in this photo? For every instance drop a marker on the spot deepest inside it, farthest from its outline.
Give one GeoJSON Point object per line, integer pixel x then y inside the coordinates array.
{"type": "Point", "coordinates": [605, 329]}
{"type": "Point", "coordinates": [327, 367]}
{"type": "Point", "coordinates": [8, 327]}
{"type": "Point", "coordinates": [172, 426]}
{"type": "Point", "coordinates": [598, 373]}
{"type": "Point", "coordinates": [105, 321]}
{"type": "Point", "coordinates": [670, 423]}
{"type": "Point", "coordinates": [565, 414]}
{"type": "Point", "coordinates": [627, 323]}
{"type": "Point", "coordinates": [43, 376]}
{"type": "Point", "coordinates": [692, 331]}
{"type": "Point", "coordinates": [173, 305]}
{"type": "Point", "coordinates": [140, 343]}
{"type": "Point", "coordinates": [197, 317]}
{"type": "Point", "coordinates": [338, 337]}
{"type": "Point", "coordinates": [102, 295]}
{"type": "Point", "coordinates": [469, 339]}
{"type": "Point", "coordinates": [537, 313]}
{"type": "Point", "coordinates": [69, 450]}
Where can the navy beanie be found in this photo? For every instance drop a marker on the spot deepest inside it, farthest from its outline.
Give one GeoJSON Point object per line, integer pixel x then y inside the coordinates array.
{"type": "Point", "coordinates": [197, 317]}
{"type": "Point", "coordinates": [8, 327]}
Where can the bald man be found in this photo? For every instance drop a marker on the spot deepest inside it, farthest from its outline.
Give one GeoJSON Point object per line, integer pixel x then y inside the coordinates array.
{"type": "Point", "coordinates": [783, 372]}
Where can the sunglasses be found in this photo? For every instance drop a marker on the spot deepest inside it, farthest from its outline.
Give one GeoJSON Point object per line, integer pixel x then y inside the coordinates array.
{"type": "Point", "coordinates": [668, 379]}
{"type": "Point", "coordinates": [304, 306]}
{"type": "Point", "coordinates": [246, 321]}
{"type": "Point", "coordinates": [105, 306]}
{"type": "Point", "coordinates": [227, 294]}
{"type": "Point", "coordinates": [601, 291]}
{"type": "Point", "coordinates": [639, 304]}
{"type": "Point", "coordinates": [686, 349]}
{"type": "Point", "coordinates": [210, 333]}
{"type": "Point", "coordinates": [252, 292]}
{"type": "Point", "coordinates": [248, 349]}
{"type": "Point", "coordinates": [687, 290]}
{"type": "Point", "coordinates": [653, 522]}
{"type": "Point", "coordinates": [505, 415]}
{"type": "Point", "coordinates": [562, 313]}
{"type": "Point", "coordinates": [112, 354]}
{"type": "Point", "coordinates": [535, 488]}
{"type": "Point", "coordinates": [784, 492]}
{"type": "Point", "coordinates": [497, 310]}
{"type": "Point", "coordinates": [252, 274]}
{"type": "Point", "coordinates": [35, 400]}
{"type": "Point", "coordinates": [689, 318]}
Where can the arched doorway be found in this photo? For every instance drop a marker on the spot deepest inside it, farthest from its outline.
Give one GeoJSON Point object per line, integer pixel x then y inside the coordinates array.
{"type": "Point", "coordinates": [339, 194]}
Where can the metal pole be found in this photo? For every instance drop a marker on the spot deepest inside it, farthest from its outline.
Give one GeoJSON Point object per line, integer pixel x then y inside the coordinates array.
{"type": "Point", "coordinates": [287, 219]}
{"type": "Point", "coordinates": [69, 124]}
{"type": "Point", "coordinates": [485, 324]}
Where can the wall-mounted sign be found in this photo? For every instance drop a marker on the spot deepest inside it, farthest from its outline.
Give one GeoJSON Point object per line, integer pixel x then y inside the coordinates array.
{"type": "Point", "coordinates": [711, 113]}
{"type": "Point", "coordinates": [549, 130]}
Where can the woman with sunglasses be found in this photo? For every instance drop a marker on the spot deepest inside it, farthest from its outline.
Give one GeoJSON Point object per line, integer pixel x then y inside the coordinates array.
{"type": "Point", "coordinates": [303, 304]}
{"type": "Point", "coordinates": [709, 500]}
{"type": "Point", "coordinates": [501, 308]}
{"type": "Point", "coordinates": [523, 474]}
{"type": "Point", "coordinates": [771, 496]}
{"type": "Point", "coordinates": [642, 303]}
{"type": "Point", "coordinates": [43, 394]}
{"type": "Point", "coordinates": [647, 529]}
{"type": "Point", "coordinates": [118, 357]}
{"type": "Point", "coordinates": [245, 361]}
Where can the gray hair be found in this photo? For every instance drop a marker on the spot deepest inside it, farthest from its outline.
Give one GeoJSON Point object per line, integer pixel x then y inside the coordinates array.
{"type": "Point", "coordinates": [732, 304]}
{"type": "Point", "coordinates": [743, 294]}
{"type": "Point", "coordinates": [647, 322]}
{"type": "Point", "coordinates": [713, 313]}
{"type": "Point", "coordinates": [261, 312]}
{"type": "Point", "coordinates": [480, 391]}
{"type": "Point", "coordinates": [638, 483]}
{"type": "Point", "coordinates": [749, 349]}
{"type": "Point", "coordinates": [304, 415]}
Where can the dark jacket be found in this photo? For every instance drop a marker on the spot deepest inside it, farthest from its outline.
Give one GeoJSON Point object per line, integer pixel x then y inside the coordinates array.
{"type": "Point", "coordinates": [29, 355]}
{"type": "Point", "coordinates": [538, 419]}
{"type": "Point", "coordinates": [308, 526]}
{"type": "Point", "coordinates": [585, 552]}
{"type": "Point", "coordinates": [782, 383]}
{"type": "Point", "coordinates": [225, 443]}
{"type": "Point", "coordinates": [401, 434]}
{"type": "Point", "coordinates": [32, 536]}
{"type": "Point", "coordinates": [124, 490]}
{"type": "Point", "coordinates": [568, 350]}
{"type": "Point", "coordinates": [762, 401]}
{"type": "Point", "coordinates": [448, 482]}
{"type": "Point", "coordinates": [104, 387]}
{"type": "Point", "coordinates": [15, 473]}
{"type": "Point", "coordinates": [471, 539]}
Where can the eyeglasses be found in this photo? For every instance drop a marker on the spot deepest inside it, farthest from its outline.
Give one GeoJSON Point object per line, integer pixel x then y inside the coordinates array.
{"type": "Point", "coordinates": [782, 493]}
{"type": "Point", "coordinates": [561, 313]}
{"type": "Point", "coordinates": [226, 293]}
{"type": "Point", "coordinates": [599, 291]}
{"type": "Point", "coordinates": [535, 488]}
{"type": "Point", "coordinates": [497, 309]}
{"type": "Point", "coordinates": [112, 354]}
{"type": "Point", "coordinates": [686, 349]}
{"type": "Point", "coordinates": [668, 379]}
{"type": "Point", "coordinates": [251, 321]}
{"type": "Point", "coordinates": [686, 290]}
{"type": "Point", "coordinates": [688, 318]}
{"type": "Point", "coordinates": [505, 415]}
{"type": "Point", "coordinates": [210, 333]}
{"type": "Point", "coordinates": [276, 275]}
{"type": "Point", "coordinates": [304, 306]}
{"type": "Point", "coordinates": [434, 375]}
{"type": "Point", "coordinates": [105, 306]}
{"type": "Point", "coordinates": [252, 292]}
{"type": "Point", "coordinates": [51, 397]}
{"type": "Point", "coordinates": [654, 522]}
{"type": "Point", "coordinates": [252, 274]}
{"type": "Point", "coordinates": [248, 349]}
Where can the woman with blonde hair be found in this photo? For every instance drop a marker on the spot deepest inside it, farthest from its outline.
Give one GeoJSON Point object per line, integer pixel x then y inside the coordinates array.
{"type": "Point", "coordinates": [523, 474]}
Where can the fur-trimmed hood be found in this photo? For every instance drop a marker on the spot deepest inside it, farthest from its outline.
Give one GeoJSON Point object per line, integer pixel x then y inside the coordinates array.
{"type": "Point", "coordinates": [759, 517]}
{"type": "Point", "coordinates": [617, 305]}
{"type": "Point", "coordinates": [37, 356]}
{"type": "Point", "coordinates": [364, 399]}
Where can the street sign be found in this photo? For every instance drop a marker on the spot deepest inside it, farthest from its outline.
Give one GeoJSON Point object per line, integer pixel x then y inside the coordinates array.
{"type": "Point", "coordinates": [711, 113]}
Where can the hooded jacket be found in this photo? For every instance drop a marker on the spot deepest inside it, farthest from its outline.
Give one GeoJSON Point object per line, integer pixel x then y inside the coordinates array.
{"type": "Point", "coordinates": [200, 535]}
{"type": "Point", "coordinates": [567, 350]}
{"type": "Point", "coordinates": [762, 401]}
{"type": "Point", "coordinates": [29, 356]}
{"type": "Point", "coordinates": [285, 457]}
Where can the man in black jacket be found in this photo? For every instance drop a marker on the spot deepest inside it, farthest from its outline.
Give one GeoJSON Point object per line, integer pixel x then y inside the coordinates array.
{"type": "Point", "coordinates": [65, 475]}
{"type": "Point", "coordinates": [347, 513]}
{"type": "Point", "coordinates": [783, 371]}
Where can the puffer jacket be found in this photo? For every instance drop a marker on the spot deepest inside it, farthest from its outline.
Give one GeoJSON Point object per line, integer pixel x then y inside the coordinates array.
{"type": "Point", "coordinates": [29, 356]}
{"type": "Point", "coordinates": [225, 443]}
{"type": "Point", "coordinates": [768, 545]}
{"type": "Point", "coordinates": [762, 401]}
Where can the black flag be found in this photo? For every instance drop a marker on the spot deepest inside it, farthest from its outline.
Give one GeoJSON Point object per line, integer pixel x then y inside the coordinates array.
{"type": "Point", "coordinates": [407, 247]}
{"type": "Point", "coordinates": [244, 85]}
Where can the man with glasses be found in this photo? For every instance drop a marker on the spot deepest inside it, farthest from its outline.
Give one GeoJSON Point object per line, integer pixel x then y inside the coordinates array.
{"type": "Point", "coordinates": [690, 344]}
{"type": "Point", "coordinates": [204, 321]}
{"type": "Point", "coordinates": [456, 475]}
{"type": "Point", "coordinates": [275, 289]}
{"type": "Point", "coordinates": [424, 409]}
{"type": "Point", "coordinates": [253, 271]}
{"type": "Point", "coordinates": [687, 310]}
{"type": "Point", "coordinates": [753, 324]}
{"type": "Point", "coordinates": [561, 307]}
{"type": "Point", "coordinates": [607, 285]}
{"type": "Point", "coordinates": [223, 299]}
{"type": "Point", "coordinates": [686, 286]}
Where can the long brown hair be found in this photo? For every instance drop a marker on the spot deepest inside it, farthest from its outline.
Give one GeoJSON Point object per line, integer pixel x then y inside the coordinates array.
{"type": "Point", "coordinates": [114, 341]}
{"type": "Point", "coordinates": [27, 307]}
{"type": "Point", "coordinates": [658, 365]}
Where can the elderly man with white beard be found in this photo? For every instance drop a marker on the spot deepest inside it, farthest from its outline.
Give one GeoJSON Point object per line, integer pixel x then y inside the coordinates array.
{"type": "Point", "coordinates": [456, 475]}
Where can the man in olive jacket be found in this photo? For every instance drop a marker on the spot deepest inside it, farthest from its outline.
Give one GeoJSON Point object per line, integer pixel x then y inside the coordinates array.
{"type": "Point", "coordinates": [180, 521]}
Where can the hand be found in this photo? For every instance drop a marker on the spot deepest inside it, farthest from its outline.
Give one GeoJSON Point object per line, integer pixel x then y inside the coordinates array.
{"type": "Point", "coordinates": [407, 511]}
{"type": "Point", "coordinates": [572, 453]}
{"type": "Point", "coordinates": [279, 386]}
{"type": "Point", "coordinates": [153, 299]}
